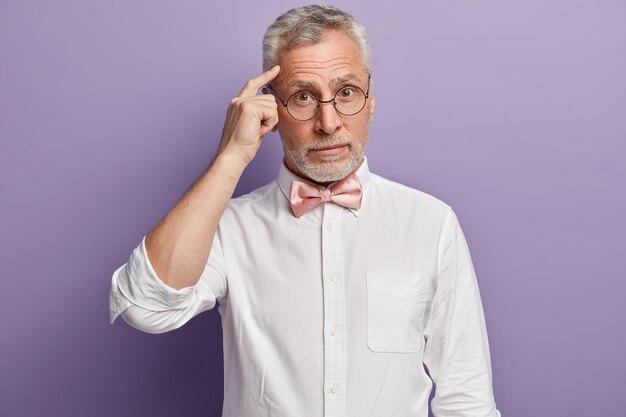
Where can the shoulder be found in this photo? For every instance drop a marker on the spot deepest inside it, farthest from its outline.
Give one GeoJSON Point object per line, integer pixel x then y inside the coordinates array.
{"type": "Point", "coordinates": [260, 203]}
{"type": "Point", "coordinates": [255, 196]}
{"type": "Point", "coordinates": [403, 195]}
{"type": "Point", "coordinates": [408, 210]}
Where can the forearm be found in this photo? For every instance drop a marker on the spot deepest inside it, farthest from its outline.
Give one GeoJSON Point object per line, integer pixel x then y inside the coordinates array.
{"type": "Point", "coordinates": [179, 246]}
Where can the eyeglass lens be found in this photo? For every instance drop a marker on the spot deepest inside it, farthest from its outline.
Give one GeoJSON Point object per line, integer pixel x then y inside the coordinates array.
{"type": "Point", "coordinates": [348, 101]}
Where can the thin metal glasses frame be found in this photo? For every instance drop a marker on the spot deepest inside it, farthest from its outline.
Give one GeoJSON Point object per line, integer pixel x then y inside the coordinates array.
{"type": "Point", "coordinates": [320, 102]}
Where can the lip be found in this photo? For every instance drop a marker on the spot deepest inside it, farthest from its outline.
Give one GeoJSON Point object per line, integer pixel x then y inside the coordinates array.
{"type": "Point", "coordinates": [330, 150]}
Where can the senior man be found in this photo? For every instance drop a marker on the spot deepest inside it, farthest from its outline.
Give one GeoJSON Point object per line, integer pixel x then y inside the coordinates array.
{"type": "Point", "coordinates": [341, 293]}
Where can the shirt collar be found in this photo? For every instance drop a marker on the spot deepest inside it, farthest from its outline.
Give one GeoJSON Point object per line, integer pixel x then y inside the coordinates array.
{"type": "Point", "coordinates": [285, 177]}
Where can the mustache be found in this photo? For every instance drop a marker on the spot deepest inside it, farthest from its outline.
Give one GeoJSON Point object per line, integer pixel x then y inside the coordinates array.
{"type": "Point", "coordinates": [329, 140]}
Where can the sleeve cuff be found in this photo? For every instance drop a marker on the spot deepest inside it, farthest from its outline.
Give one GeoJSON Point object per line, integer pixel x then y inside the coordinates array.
{"type": "Point", "coordinates": [117, 302]}
{"type": "Point", "coordinates": [136, 283]}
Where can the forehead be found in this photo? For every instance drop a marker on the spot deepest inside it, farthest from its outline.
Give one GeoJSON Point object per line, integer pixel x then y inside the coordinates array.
{"type": "Point", "coordinates": [335, 60]}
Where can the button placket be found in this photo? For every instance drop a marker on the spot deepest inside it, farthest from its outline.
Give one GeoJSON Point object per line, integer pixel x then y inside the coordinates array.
{"type": "Point", "coordinates": [334, 295]}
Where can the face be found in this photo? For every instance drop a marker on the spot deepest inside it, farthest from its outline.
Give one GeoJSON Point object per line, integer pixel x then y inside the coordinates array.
{"type": "Point", "coordinates": [330, 146]}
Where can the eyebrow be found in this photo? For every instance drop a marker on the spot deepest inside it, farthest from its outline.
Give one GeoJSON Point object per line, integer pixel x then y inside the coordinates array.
{"type": "Point", "coordinates": [345, 79]}
{"type": "Point", "coordinates": [308, 85]}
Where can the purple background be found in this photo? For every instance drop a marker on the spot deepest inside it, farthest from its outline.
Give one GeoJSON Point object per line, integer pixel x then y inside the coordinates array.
{"type": "Point", "coordinates": [515, 114]}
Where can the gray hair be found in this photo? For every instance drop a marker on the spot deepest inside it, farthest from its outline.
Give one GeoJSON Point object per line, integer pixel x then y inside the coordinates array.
{"type": "Point", "coordinates": [305, 26]}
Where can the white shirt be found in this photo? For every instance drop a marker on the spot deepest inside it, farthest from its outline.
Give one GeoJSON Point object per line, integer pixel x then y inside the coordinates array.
{"type": "Point", "coordinates": [336, 313]}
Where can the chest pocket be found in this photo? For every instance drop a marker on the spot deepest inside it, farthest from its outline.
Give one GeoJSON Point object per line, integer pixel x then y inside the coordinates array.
{"type": "Point", "coordinates": [395, 312]}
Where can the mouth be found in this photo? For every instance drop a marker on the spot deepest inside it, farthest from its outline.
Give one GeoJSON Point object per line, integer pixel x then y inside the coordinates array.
{"type": "Point", "coordinates": [331, 150]}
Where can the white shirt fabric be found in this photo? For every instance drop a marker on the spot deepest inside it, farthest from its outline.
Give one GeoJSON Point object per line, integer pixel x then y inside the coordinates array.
{"type": "Point", "coordinates": [338, 313]}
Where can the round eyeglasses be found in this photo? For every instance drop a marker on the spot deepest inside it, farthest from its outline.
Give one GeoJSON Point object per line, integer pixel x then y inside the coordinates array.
{"type": "Point", "coordinates": [303, 105]}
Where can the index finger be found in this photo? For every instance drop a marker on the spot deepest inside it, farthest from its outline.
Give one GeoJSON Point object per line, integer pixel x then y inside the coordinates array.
{"type": "Point", "coordinates": [254, 84]}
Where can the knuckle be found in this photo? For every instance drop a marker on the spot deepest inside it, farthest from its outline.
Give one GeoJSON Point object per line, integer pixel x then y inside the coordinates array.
{"type": "Point", "coordinates": [240, 103]}
{"type": "Point", "coordinates": [270, 100]}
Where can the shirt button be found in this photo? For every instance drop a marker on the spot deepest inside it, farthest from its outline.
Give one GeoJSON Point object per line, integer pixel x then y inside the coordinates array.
{"type": "Point", "coordinates": [333, 332]}
{"type": "Point", "coordinates": [332, 277]}
{"type": "Point", "coordinates": [329, 227]}
{"type": "Point", "coordinates": [333, 388]}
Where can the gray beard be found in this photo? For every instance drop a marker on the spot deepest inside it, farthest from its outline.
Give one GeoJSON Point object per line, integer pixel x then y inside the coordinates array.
{"type": "Point", "coordinates": [327, 170]}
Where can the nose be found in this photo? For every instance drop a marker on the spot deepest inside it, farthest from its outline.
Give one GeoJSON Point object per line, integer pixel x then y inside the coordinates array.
{"type": "Point", "coordinates": [327, 120]}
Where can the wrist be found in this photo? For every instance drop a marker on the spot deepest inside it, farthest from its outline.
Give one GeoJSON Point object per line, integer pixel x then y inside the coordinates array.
{"type": "Point", "coordinates": [231, 162]}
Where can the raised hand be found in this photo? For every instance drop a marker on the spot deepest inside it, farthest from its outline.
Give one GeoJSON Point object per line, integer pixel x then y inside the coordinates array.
{"type": "Point", "coordinates": [250, 117]}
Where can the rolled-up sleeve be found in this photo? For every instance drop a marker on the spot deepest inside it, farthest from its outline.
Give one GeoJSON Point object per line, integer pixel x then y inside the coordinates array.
{"type": "Point", "coordinates": [456, 353]}
{"type": "Point", "coordinates": [148, 304]}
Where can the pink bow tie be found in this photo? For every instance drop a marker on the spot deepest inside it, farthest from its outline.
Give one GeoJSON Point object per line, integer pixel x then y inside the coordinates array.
{"type": "Point", "coordinates": [346, 193]}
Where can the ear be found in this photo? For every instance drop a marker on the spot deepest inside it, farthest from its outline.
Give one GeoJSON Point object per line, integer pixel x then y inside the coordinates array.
{"type": "Point", "coordinates": [372, 101]}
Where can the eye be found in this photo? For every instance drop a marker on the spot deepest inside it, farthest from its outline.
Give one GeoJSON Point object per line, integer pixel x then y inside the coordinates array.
{"type": "Point", "coordinates": [303, 97]}
{"type": "Point", "coordinates": [346, 92]}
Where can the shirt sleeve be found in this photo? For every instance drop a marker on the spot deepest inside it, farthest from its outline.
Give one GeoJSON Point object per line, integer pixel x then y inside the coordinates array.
{"type": "Point", "coordinates": [456, 352]}
{"type": "Point", "coordinates": [148, 304]}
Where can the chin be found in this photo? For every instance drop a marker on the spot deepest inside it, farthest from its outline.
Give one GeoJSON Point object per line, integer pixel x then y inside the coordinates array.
{"type": "Point", "coordinates": [331, 169]}
{"type": "Point", "coordinates": [324, 169]}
